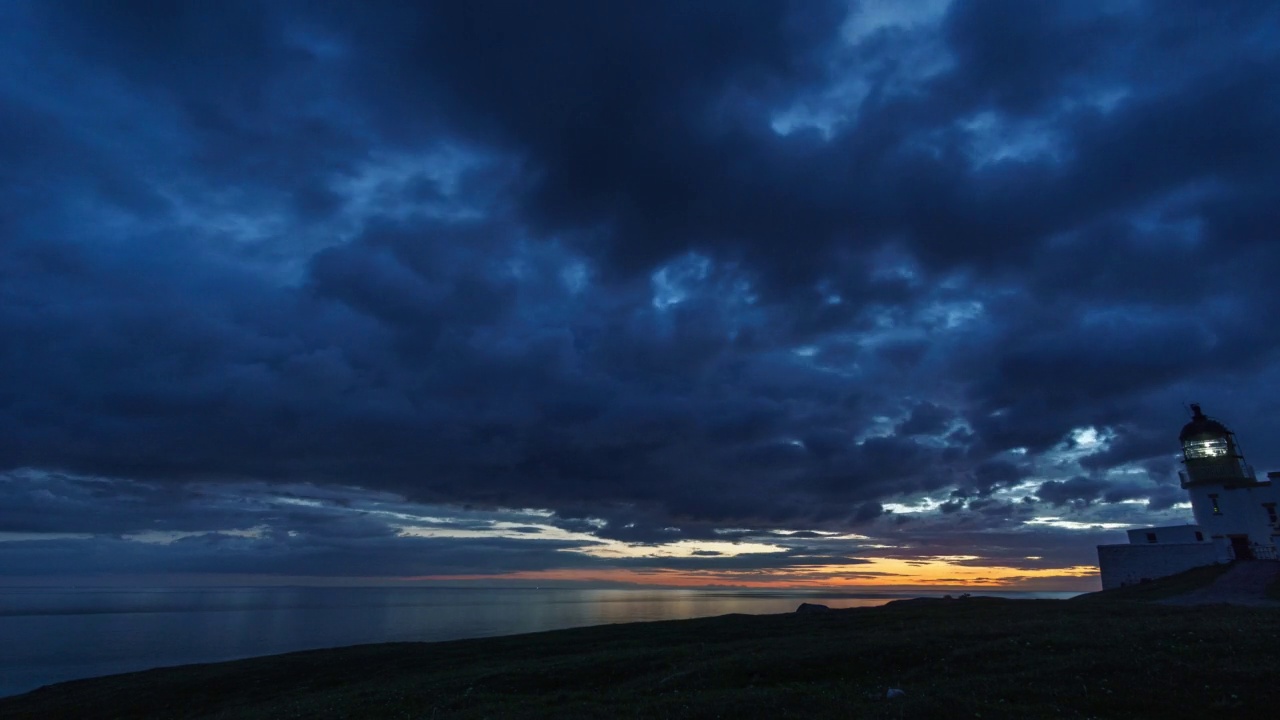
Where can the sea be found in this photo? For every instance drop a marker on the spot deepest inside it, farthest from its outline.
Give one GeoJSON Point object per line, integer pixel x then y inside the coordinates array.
{"type": "Point", "coordinates": [51, 635]}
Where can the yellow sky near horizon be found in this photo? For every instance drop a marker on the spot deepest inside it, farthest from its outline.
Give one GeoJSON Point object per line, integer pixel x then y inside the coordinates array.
{"type": "Point", "coordinates": [944, 572]}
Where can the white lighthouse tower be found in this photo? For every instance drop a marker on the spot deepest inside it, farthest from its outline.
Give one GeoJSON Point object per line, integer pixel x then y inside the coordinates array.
{"type": "Point", "coordinates": [1235, 513]}
{"type": "Point", "coordinates": [1230, 505]}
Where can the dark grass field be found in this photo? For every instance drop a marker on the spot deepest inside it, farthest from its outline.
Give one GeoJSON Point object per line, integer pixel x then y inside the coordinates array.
{"type": "Point", "coordinates": [963, 658]}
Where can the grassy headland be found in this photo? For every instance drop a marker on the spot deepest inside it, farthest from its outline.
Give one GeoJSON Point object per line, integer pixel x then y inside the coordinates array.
{"type": "Point", "coordinates": [971, 657]}
{"type": "Point", "coordinates": [1163, 588]}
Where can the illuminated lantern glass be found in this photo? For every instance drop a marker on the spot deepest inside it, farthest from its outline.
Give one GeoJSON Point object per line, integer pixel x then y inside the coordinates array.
{"type": "Point", "coordinates": [1205, 448]}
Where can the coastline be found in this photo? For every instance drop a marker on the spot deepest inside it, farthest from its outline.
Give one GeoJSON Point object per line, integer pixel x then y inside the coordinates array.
{"type": "Point", "coordinates": [957, 658]}
{"type": "Point", "coordinates": [56, 635]}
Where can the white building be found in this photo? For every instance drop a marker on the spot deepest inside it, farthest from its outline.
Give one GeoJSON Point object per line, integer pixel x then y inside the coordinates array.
{"type": "Point", "coordinates": [1235, 513]}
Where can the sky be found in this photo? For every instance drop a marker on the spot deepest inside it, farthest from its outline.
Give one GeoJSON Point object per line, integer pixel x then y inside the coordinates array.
{"type": "Point", "coordinates": [856, 295]}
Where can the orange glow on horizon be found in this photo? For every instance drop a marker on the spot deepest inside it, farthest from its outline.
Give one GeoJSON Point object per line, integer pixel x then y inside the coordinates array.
{"type": "Point", "coordinates": [878, 573]}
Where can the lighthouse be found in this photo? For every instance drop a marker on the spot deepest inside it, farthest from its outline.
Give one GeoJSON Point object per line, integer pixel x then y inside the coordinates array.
{"type": "Point", "coordinates": [1235, 513]}
{"type": "Point", "coordinates": [1230, 505]}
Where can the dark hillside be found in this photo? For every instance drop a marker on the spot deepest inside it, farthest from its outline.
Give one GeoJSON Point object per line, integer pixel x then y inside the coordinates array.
{"type": "Point", "coordinates": [971, 657]}
{"type": "Point", "coordinates": [1161, 588]}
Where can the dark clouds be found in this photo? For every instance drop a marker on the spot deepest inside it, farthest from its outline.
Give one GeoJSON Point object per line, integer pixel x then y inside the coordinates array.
{"type": "Point", "coordinates": [1077, 489]}
{"type": "Point", "coordinates": [690, 268]}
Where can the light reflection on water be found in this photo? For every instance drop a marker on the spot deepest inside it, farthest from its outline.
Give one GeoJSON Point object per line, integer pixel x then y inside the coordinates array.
{"type": "Point", "coordinates": [55, 635]}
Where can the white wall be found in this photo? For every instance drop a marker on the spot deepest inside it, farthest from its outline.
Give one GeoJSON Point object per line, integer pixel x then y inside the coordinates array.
{"type": "Point", "coordinates": [1241, 510]}
{"type": "Point", "coordinates": [1169, 534]}
{"type": "Point", "coordinates": [1129, 564]}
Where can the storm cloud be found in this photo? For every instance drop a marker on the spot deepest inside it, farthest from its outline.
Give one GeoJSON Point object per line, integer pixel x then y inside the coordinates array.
{"type": "Point", "coordinates": [659, 270]}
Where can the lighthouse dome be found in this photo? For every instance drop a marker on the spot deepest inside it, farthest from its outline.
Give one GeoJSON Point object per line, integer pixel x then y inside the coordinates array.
{"type": "Point", "coordinates": [1205, 440]}
{"type": "Point", "coordinates": [1202, 425]}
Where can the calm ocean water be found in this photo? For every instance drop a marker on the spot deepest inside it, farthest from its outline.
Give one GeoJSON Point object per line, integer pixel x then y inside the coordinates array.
{"type": "Point", "coordinates": [49, 635]}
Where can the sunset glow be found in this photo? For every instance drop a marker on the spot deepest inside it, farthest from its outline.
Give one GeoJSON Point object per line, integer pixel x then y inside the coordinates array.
{"type": "Point", "coordinates": [877, 573]}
